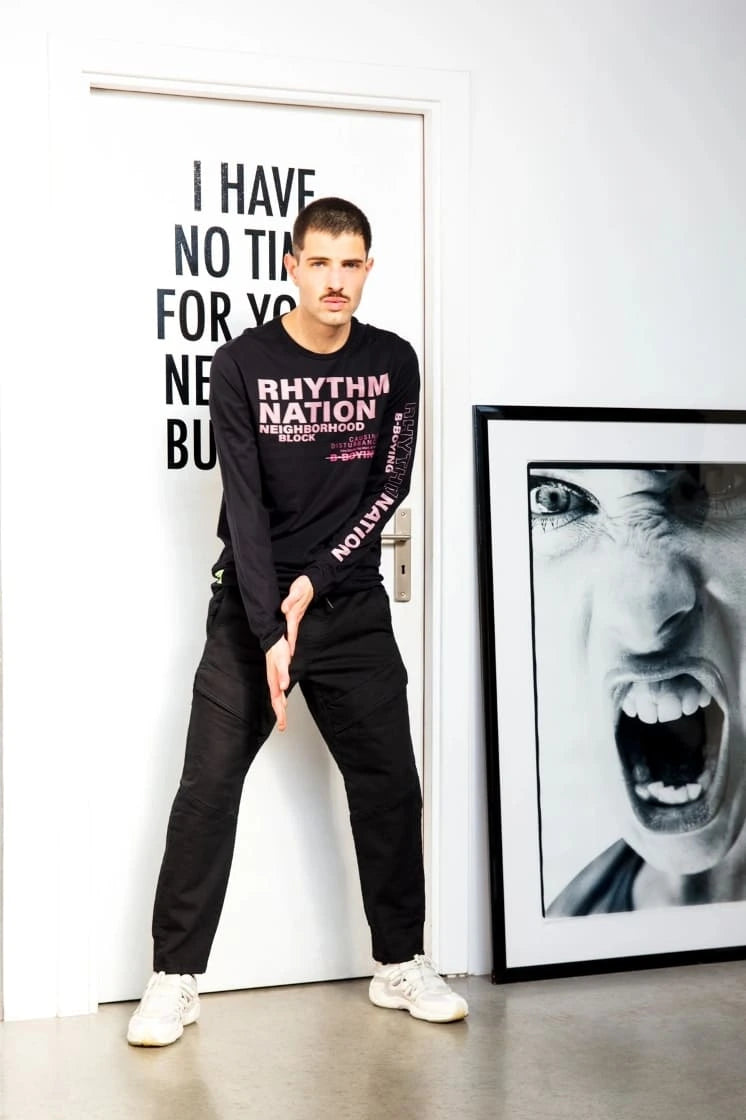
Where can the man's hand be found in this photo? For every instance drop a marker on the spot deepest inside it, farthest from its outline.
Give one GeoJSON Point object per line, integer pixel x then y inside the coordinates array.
{"type": "Point", "coordinates": [279, 655]}
{"type": "Point", "coordinates": [278, 678]}
{"type": "Point", "coordinates": [294, 606]}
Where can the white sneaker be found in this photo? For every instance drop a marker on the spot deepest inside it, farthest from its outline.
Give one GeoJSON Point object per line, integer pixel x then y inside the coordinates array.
{"type": "Point", "coordinates": [416, 987]}
{"type": "Point", "coordinates": [169, 1003]}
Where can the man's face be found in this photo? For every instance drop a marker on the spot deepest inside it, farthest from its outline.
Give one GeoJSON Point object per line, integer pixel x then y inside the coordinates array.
{"type": "Point", "coordinates": [640, 609]}
{"type": "Point", "coordinates": [330, 273]}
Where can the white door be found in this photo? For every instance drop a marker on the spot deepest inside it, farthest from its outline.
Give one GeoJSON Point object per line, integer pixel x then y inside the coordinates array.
{"type": "Point", "coordinates": [190, 201]}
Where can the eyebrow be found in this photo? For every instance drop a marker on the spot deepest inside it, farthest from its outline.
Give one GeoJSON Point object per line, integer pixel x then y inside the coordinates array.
{"type": "Point", "coordinates": [559, 474]}
{"type": "Point", "coordinates": [660, 480]}
{"type": "Point", "coordinates": [657, 485]}
{"type": "Point", "coordinates": [345, 260]}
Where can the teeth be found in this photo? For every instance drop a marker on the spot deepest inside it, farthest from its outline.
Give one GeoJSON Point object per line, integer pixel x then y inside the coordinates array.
{"type": "Point", "coordinates": [672, 795]}
{"type": "Point", "coordinates": [647, 709]}
{"type": "Point", "coordinates": [669, 708]}
{"type": "Point", "coordinates": [690, 701]}
{"type": "Point", "coordinates": [665, 701]}
{"type": "Point", "coordinates": [630, 708]}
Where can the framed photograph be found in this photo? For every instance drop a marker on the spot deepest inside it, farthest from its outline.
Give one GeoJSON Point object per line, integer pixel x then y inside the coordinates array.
{"type": "Point", "coordinates": [612, 569]}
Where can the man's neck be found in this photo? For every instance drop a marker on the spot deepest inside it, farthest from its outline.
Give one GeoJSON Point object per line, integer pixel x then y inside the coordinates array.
{"type": "Point", "coordinates": [315, 336]}
{"type": "Point", "coordinates": [725, 882]}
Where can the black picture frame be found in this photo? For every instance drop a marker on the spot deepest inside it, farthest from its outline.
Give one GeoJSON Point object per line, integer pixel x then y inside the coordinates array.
{"type": "Point", "coordinates": [527, 943]}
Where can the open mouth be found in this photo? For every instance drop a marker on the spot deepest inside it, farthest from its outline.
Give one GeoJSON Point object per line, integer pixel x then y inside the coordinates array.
{"type": "Point", "coordinates": [670, 740]}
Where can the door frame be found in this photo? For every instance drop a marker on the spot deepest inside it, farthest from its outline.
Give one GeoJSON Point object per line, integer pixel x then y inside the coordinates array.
{"type": "Point", "coordinates": [65, 978]}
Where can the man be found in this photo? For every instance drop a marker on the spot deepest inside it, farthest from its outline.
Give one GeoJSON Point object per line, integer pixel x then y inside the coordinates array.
{"type": "Point", "coordinates": [639, 586]}
{"type": "Point", "coordinates": [315, 424]}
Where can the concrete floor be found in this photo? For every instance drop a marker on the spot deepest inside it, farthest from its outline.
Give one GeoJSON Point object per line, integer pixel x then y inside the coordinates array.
{"type": "Point", "coordinates": [667, 1044]}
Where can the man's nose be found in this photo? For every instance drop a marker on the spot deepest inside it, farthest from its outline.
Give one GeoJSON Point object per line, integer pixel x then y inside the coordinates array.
{"type": "Point", "coordinates": [334, 279]}
{"type": "Point", "coordinates": [646, 601]}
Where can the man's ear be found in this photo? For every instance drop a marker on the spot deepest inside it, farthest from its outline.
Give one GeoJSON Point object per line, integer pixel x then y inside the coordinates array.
{"type": "Point", "coordinates": [291, 266]}
{"type": "Point", "coordinates": [368, 264]}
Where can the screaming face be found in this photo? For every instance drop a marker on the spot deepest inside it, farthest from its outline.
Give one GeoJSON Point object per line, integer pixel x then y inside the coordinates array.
{"type": "Point", "coordinates": [639, 583]}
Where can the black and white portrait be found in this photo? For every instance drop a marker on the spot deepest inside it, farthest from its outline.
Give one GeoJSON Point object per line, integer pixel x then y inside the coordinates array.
{"type": "Point", "coordinates": [638, 582]}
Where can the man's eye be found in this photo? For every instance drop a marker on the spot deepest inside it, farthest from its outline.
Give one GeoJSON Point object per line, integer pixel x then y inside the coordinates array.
{"type": "Point", "coordinates": [727, 481]}
{"type": "Point", "coordinates": [553, 504]}
{"type": "Point", "coordinates": [550, 499]}
{"type": "Point", "coordinates": [714, 492]}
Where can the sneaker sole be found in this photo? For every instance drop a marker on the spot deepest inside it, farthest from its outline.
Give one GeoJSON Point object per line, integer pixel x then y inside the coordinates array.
{"type": "Point", "coordinates": [147, 1038]}
{"type": "Point", "coordinates": [396, 1003]}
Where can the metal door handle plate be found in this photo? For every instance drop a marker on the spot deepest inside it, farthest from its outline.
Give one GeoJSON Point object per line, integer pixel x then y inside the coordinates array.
{"type": "Point", "coordinates": [401, 538]}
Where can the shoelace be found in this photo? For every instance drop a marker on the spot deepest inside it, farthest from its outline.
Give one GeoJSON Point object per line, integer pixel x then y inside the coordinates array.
{"type": "Point", "coordinates": [159, 996]}
{"type": "Point", "coordinates": [419, 976]}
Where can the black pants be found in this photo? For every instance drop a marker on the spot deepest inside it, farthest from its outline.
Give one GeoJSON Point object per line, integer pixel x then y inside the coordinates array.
{"type": "Point", "coordinates": [351, 674]}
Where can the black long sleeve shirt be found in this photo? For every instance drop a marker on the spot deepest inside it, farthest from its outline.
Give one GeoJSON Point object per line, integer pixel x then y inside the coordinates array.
{"type": "Point", "coordinates": [315, 453]}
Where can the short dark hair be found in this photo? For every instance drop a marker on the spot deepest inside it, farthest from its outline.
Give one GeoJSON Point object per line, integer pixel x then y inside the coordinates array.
{"type": "Point", "coordinates": [331, 215]}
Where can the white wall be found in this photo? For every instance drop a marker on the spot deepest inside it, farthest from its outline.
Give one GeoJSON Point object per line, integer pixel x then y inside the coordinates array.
{"type": "Point", "coordinates": [604, 263]}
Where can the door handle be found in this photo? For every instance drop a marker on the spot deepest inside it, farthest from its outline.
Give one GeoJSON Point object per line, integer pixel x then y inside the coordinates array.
{"type": "Point", "coordinates": [401, 538]}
